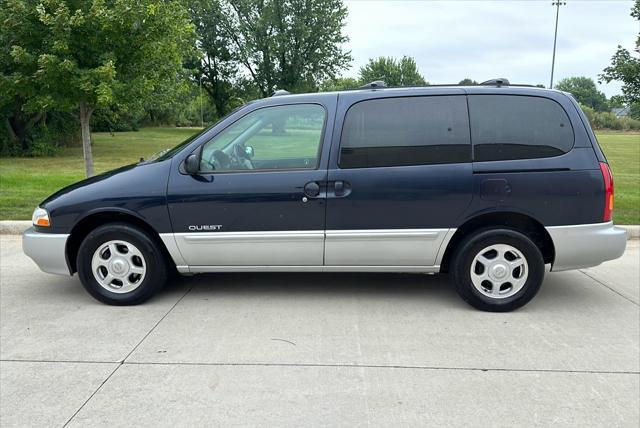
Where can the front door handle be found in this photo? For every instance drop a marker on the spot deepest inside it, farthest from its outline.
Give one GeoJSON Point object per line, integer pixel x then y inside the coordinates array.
{"type": "Point", "coordinates": [312, 189]}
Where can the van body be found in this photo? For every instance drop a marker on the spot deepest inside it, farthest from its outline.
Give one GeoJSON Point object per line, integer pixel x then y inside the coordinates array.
{"type": "Point", "coordinates": [487, 183]}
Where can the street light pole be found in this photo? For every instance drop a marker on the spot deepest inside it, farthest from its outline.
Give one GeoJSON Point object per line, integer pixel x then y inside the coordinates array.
{"type": "Point", "coordinates": [201, 115]}
{"type": "Point", "coordinates": [557, 4]}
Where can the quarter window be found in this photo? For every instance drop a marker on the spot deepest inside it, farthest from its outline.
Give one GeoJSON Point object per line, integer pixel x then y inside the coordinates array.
{"type": "Point", "coordinates": [406, 131]}
{"type": "Point", "coordinates": [507, 127]}
{"type": "Point", "coordinates": [271, 138]}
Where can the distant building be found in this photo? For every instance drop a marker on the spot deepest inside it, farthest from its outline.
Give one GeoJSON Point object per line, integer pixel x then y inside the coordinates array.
{"type": "Point", "coordinates": [621, 111]}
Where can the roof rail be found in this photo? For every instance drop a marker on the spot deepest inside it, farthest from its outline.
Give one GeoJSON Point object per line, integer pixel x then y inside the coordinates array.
{"type": "Point", "coordinates": [374, 85]}
{"type": "Point", "coordinates": [280, 92]}
{"type": "Point", "coordinates": [500, 81]}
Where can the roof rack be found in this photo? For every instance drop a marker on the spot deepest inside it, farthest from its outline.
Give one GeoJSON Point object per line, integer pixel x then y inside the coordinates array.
{"type": "Point", "coordinates": [374, 85]}
{"type": "Point", "coordinates": [280, 92]}
{"type": "Point", "coordinates": [500, 81]}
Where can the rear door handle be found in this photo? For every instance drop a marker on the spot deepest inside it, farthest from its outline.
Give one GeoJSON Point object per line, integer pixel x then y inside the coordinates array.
{"type": "Point", "coordinates": [340, 189]}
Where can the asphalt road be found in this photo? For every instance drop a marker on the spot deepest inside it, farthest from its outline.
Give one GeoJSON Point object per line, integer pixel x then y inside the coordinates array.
{"type": "Point", "coordinates": [319, 350]}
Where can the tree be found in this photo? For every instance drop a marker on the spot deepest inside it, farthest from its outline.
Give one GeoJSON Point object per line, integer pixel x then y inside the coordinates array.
{"type": "Point", "coordinates": [616, 101]}
{"type": "Point", "coordinates": [584, 91]}
{"type": "Point", "coordinates": [217, 68]}
{"type": "Point", "coordinates": [468, 82]}
{"type": "Point", "coordinates": [402, 72]}
{"type": "Point", "coordinates": [288, 44]}
{"type": "Point", "coordinates": [79, 55]}
{"type": "Point", "coordinates": [15, 86]}
{"type": "Point", "coordinates": [340, 84]}
{"type": "Point", "coordinates": [625, 67]}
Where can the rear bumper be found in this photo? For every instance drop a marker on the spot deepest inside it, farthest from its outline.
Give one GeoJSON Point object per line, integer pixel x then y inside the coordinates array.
{"type": "Point", "coordinates": [47, 250]}
{"type": "Point", "coordinates": [586, 245]}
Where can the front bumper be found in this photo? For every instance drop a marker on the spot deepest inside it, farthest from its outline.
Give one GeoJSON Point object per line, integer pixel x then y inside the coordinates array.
{"type": "Point", "coordinates": [586, 245]}
{"type": "Point", "coordinates": [47, 250]}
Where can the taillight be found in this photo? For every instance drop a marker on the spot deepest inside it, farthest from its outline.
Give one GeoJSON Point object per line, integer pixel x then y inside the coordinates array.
{"type": "Point", "coordinates": [608, 191]}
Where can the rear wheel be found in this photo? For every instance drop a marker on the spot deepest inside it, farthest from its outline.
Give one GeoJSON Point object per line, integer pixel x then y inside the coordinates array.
{"type": "Point", "coordinates": [497, 270]}
{"type": "Point", "coordinates": [119, 264]}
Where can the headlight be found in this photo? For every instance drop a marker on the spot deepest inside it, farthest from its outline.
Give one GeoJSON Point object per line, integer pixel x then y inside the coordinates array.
{"type": "Point", "coordinates": [40, 218]}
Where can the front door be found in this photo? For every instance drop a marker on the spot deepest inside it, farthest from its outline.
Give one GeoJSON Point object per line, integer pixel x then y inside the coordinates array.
{"type": "Point", "coordinates": [248, 207]}
{"type": "Point", "coordinates": [400, 176]}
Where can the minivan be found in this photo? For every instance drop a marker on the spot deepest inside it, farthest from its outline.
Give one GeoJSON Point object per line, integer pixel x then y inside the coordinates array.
{"type": "Point", "coordinates": [492, 184]}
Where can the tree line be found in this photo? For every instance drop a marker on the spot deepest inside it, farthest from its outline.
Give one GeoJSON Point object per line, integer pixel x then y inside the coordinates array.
{"type": "Point", "coordinates": [68, 67]}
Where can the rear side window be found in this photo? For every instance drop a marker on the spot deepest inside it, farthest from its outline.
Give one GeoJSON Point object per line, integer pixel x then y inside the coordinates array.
{"type": "Point", "coordinates": [406, 131]}
{"type": "Point", "coordinates": [507, 127]}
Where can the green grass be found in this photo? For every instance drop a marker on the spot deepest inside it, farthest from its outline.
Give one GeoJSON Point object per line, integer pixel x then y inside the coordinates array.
{"type": "Point", "coordinates": [25, 182]}
{"type": "Point", "coordinates": [623, 153]}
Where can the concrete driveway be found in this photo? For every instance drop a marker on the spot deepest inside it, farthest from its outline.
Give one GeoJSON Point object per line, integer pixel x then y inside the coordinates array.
{"type": "Point", "coordinates": [319, 350]}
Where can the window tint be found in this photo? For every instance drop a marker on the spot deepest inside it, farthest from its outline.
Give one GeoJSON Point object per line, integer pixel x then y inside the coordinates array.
{"type": "Point", "coordinates": [406, 131]}
{"type": "Point", "coordinates": [518, 127]}
{"type": "Point", "coordinates": [279, 137]}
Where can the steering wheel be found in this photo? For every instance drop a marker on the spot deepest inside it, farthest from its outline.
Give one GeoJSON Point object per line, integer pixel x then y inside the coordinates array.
{"type": "Point", "coordinates": [219, 160]}
{"type": "Point", "coordinates": [237, 159]}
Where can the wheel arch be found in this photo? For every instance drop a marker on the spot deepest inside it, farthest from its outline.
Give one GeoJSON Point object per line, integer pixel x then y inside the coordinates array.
{"type": "Point", "coordinates": [520, 222]}
{"type": "Point", "coordinates": [99, 218]}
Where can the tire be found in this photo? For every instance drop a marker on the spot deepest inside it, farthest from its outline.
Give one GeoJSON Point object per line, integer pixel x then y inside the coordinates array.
{"type": "Point", "coordinates": [508, 270]}
{"type": "Point", "coordinates": [119, 264]}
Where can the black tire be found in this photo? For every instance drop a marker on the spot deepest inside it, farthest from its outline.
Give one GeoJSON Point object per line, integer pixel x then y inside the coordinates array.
{"type": "Point", "coordinates": [156, 273]}
{"type": "Point", "coordinates": [475, 244]}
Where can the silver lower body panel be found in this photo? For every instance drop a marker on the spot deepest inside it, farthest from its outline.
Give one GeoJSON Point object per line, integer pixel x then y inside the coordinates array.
{"type": "Point", "coordinates": [47, 250]}
{"type": "Point", "coordinates": [295, 248]}
{"type": "Point", "coordinates": [377, 250]}
{"type": "Point", "coordinates": [586, 245]}
{"type": "Point", "coordinates": [390, 247]}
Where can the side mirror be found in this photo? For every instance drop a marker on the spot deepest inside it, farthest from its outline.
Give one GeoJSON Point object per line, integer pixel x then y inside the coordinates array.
{"type": "Point", "coordinates": [248, 152]}
{"type": "Point", "coordinates": [192, 164]}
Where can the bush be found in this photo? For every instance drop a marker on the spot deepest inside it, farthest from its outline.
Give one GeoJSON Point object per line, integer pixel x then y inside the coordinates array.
{"type": "Point", "coordinates": [608, 120]}
{"type": "Point", "coordinates": [57, 130]}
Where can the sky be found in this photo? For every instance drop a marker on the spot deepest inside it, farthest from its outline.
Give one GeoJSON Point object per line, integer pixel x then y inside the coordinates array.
{"type": "Point", "coordinates": [481, 39]}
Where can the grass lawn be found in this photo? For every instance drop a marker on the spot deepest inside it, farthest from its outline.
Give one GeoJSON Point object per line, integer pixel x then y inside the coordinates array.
{"type": "Point", "coordinates": [25, 182]}
{"type": "Point", "coordinates": [623, 153]}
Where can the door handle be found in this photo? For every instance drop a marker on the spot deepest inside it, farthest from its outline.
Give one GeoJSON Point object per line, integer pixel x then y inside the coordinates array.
{"type": "Point", "coordinates": [340, 189]}
{"type": "Point", "coordinates": [312, 189]}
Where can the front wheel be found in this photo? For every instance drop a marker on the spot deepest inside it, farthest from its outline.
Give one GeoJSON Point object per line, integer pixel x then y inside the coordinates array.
{"type": "Point", "coordinates": [497, 270]}
{"type": "Point", "coordinates": [119, 264]}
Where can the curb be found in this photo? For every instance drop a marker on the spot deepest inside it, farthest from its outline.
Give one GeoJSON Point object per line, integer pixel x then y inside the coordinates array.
{"type": "Point", "coordinates": [17, 227]}
{"type": "Point", "coordinates": [633, 232]}
{"type": "Point", "coordinates": [14, 227]}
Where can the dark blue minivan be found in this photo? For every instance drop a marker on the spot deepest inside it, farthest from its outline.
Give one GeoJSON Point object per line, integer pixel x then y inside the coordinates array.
{"type": "Point", "coordinates": [489, 183]}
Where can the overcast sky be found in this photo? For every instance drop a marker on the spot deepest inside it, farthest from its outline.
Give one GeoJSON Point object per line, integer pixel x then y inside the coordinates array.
{"type": "Point", "coordinates": [454, 39]}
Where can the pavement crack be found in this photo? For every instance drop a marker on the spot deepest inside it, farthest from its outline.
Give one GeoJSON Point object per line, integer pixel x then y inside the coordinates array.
{"type": "Point", "coordinates": [284, 340]}
{"type": "Point", "coordinates": [91, 396]}
{"type": "Point", "coordinates": [156, 324]}
{"type": "Point", "coordinates": [382, 366]}
{"type": "Point", "coordinates": [121, 363]}
{"type": "Point", "coordinates": [606, 286]}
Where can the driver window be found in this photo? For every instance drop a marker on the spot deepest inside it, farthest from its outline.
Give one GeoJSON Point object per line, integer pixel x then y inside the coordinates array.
{"type": "Point", "coordinates": [271, 138]}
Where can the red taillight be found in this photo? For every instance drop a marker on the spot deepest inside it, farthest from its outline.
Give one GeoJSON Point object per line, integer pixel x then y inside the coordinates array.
{"type": "Point", "coordinates": [608, 191]}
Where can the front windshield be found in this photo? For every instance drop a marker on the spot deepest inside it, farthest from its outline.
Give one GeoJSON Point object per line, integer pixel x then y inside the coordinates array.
{"type": "Point", "coordinates": [168, 153]}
